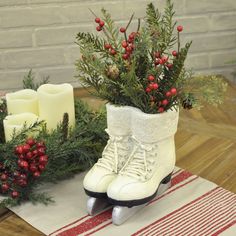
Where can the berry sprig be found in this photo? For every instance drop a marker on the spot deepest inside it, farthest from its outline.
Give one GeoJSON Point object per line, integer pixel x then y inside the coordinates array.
{"type": "Point", "coordinates": [100, 24]}
{"type": "Point", "coordinates": [32, 161]}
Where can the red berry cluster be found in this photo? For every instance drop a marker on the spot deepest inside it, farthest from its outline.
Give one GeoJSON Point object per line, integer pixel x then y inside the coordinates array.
{"type": "Point", "coordinates": [100, 24]}
{"type": "Point", "coordinates": [111, 50]}
{"type": "Point", "coordinates": [151, 85]}
{"type": "Point", "coordinates": [128, 44]}
{"type": "Point", "coordinates": [32, 160]}
{"type": "Point", "coordinates": [162, 104]}
{"type": "Point", "coordinates": [32, 157]}
{"type": "Point", "coordinates": [162, 60]}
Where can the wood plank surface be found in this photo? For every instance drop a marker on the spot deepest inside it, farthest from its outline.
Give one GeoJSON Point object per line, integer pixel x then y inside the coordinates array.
{"type": "Point", "coordinates": [205, 145]}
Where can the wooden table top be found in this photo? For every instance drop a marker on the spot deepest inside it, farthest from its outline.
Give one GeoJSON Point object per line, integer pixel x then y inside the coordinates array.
{"type": "Point", "coordinates": [205, 145]}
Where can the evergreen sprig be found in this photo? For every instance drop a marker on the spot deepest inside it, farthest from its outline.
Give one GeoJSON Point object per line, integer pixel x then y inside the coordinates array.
{"type": "Point", "coordinates": [119, 65]}
{"type": "Point", "coordinates": [69, 152]}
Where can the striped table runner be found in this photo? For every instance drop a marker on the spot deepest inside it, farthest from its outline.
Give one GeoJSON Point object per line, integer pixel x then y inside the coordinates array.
{"type": "Point", "coordinates": [191, 206]}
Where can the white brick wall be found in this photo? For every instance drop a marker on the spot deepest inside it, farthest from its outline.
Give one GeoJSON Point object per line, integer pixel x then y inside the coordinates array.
{"type": "Point", "coordinates": [40, 34]}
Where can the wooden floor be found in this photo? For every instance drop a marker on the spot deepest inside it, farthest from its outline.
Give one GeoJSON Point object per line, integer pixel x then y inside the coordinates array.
{"type": "Point", "coordinates": [205, 144]}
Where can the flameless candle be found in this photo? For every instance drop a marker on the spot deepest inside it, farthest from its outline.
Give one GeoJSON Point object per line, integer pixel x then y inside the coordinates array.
{"type": "Point", "coordinates": [15, 123]}
{"type": "Point", "coordinates": [25, 100]}
{"type": "Point", "coordinates": [54, 101]}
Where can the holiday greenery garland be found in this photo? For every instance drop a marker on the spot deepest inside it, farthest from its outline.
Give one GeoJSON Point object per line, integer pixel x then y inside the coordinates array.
{"type": "Point", "coordinates": [141, 68]}
{"type": "Point", "coordinates": [26, 163]}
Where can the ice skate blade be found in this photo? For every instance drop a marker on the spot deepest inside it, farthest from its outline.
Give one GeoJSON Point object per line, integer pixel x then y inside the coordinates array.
{"type": "Point", "coordinates": [120, 214]}
{"type": "Point", "coordinates": [95, 205]}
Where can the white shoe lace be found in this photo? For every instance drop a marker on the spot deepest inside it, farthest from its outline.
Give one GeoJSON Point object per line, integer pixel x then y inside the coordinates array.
{"type": "Point", "coordinates": [140, 161]}
{"type": "Point", "coordinates": [114, 154]}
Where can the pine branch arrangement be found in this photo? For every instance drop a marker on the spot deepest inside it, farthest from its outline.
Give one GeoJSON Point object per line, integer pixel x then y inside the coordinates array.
{"type": "Point", "coordinates": [144, 68]}
{"type": "Point", "coordinates": [66, 153]}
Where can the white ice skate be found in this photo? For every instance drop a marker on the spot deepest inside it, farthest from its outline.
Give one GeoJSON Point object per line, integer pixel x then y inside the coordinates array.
{"type": "Point", "coordinates": [147, 173]}
{"type": "Point", "coordinates": [113, 158]}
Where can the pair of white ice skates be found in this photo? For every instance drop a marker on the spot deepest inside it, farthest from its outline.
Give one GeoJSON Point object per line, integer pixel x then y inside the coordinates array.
{"type": "Point", "coordinates": [136, 163]}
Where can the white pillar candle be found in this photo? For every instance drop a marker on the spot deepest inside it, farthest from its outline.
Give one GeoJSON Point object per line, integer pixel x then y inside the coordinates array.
{"type": "Point", "coordinates": [54, 101]}
{"type": "Point", "coordinates": [15, 123]}
{"type": "Point", "coordinates": [25, 100]}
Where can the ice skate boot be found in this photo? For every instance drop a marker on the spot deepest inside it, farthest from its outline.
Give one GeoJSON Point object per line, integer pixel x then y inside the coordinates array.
{"type": "Point", "coordinates": [148, 169]}
{"type": "Point", "coordinates": [113, 157]}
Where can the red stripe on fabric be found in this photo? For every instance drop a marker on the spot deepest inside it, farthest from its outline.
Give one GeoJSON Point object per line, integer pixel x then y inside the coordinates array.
{"type": "Point", "coordinates": [207, 219]}
{"type": "Point", "coordinates": [224, 228]}
{"type": "Point", "coordinates": [176, 220]}
{"type": "Point", "coordinates": [177, 179]}
{"type": "Point", "coordinates": [69, 224]}
{"type": "Point", "coordinates": [173, 212]}
{"type": "Point", "coordinates": [172, 190]}
{"type": "Point", "coordinates": [98, 229]}
{"type": "Point", "coordinates": [180, 177]}
{"type": "Point", "coordinates": [217, 219]}
{"type": "Point", "coordinates": [217, 223]}
{"type": "Point", "coordinates": [88, 224]}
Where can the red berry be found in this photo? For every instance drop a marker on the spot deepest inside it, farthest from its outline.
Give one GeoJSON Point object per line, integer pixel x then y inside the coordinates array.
{"type": "Point", "coordinates": [122, 29]}
{"type": "Point", "coordinates": [124, 44]}
{"type": "Point", "coordinates": [97, 20]}
{"type": "Point", "coordinates": [113, 52]}
{"type": "Point", "coordinates": [169, 65]}
{"type": "Point", "coordinates": [174, 53]}
{"type": "Point", "coordinates": [15, 194]}
{"type": "Point", "coordinates": [4, 177]}
{"type": "Point", "coordinates": [43, 160]}
{"type": "Point", "coordinates": [155, 86]}
{"type": "Point", "coordinates": [24, 165]}
{"type": "Point", "coordinates": [128, 49]}
{"type": "Point", "coordinates": [151, 78]}
{"type": "Point", "coordinates": [33, 168]}
{"type": "Point", "coordinates": [148, 90]}
{"type": "Point", "coordinates": [107, 46]}
{"type": "Point", "coordinates": [41, 151]}
{"type": "Point", "coordinates": [30, 141]}
{"type": "Point", "coordinates": [160, 109]}
{"type": "Point", "coordinates": [21, 156]}
{"type": "Point", "coordinates": [164, 59]}
{"type": "Point", "coordinates": [36, 174]}
{"type": "Point", "coordinates": [29, 155]}
{"type": "Point", "coordinates": [19, 150]}
{"type": "Point", "coordinates": [26, 148]}
{"type": "Point", "coordinates": [165, 102]}
{"type": "Point", "coordinates": [125, 56]}
{"type": "Point", "coordinates": [180, 28]}
{"type": "Point", "coordinates": [35, 152]}
{"type": "Point", "coordinates": [161, 62]}
{"type": "Point", "coordinates": [168, 94]}
{"type": "Point", "coordinates": [102, 23]}
{"type": "Point", "coordinates": [173, 91]}
{"type": "Point", "coordinates": [98, 28]}
{"type": "Point", "coordinates": [41, 167]}
{"type": "Point", "coordinates": [22, 183]}
{"type": "Point", "coordinates": [132, 36]}
{"type": "Point", "coordinates": [5, 187]}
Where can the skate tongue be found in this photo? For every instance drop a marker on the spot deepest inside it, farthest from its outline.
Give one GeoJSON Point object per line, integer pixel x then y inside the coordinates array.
{"type": "Point", "coordinates": [110, 154]}
{"type": "Point", "coordinates": [136, 165]}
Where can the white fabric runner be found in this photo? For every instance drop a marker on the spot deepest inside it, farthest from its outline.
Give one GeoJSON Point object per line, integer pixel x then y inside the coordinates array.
{"type": "Point", "coordinates": [192, 206]}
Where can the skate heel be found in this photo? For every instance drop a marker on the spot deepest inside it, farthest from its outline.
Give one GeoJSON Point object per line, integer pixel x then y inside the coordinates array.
{"type": "Point", "coordinates": [95, 205]}
{"type": "Point", "coordinates": [165, 184]}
